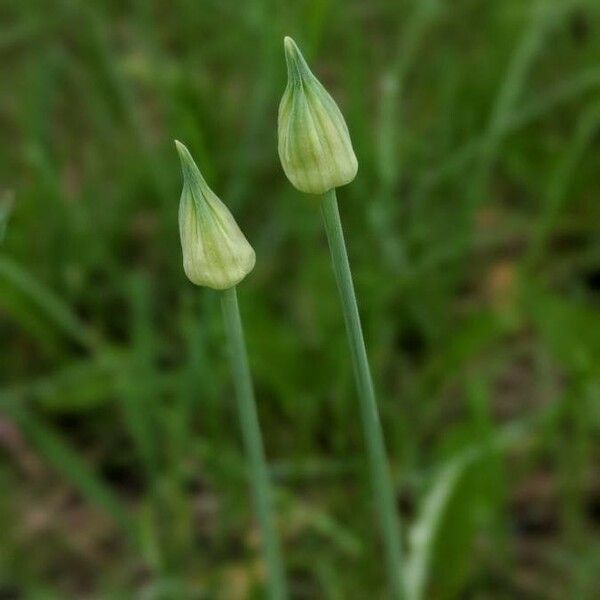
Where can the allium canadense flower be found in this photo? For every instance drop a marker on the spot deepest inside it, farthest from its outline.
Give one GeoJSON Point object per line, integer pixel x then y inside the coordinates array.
{"type": "Point", "coordinates": [314, 143]}
{"type": "Point", "coordinates": [216, 254]}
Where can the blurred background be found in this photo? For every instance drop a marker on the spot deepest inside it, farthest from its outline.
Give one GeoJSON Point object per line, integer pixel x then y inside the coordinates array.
{"type": "Point", "coordinates": [473, 230]}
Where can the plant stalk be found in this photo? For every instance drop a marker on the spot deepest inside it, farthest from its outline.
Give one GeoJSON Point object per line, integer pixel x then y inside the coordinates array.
{"type": "Point", "coordinates": [253, 443]}
{"type": "Point", "coordinates": [383, 493]}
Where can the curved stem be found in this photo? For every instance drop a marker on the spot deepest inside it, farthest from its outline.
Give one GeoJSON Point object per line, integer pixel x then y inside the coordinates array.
{"type": "Point", "coordinates": [255, 454]}
{"type": "Point", "coordinates": [378, 463]}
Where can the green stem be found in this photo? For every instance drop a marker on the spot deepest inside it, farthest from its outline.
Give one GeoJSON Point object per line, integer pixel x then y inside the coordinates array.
{"type": "Point", "coordinates": [378, 464]}
{"type": "Point", "coordinates": [253, 442]}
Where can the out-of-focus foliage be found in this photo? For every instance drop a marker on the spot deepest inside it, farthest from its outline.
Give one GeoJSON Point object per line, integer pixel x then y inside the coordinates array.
{"type": "Point", "coordinates": [473, 233]}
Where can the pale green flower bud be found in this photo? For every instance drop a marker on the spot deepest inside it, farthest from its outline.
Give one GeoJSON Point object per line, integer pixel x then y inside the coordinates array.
{"type": "Point", "coordinates": [314, 144]}
{"type": "Point", "coordinates": [216, 253]}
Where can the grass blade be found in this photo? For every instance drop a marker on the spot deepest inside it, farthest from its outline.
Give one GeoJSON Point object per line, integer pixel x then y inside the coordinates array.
{"type": "Point", "coordinates": [67, 461]}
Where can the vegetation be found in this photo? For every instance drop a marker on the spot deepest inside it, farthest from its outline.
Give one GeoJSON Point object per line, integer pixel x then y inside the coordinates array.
{"type": "Point", "coordinates": [472, 228]}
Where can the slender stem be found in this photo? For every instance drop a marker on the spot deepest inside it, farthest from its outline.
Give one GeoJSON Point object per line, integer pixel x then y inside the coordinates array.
{"type": "Point", "coordinates": [378, 464]}
{"type": "Point", "coordinates": [257, 465]}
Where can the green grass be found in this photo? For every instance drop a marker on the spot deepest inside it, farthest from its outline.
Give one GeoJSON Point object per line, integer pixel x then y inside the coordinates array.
{"type": "Point", "coordinates": [472, 231]}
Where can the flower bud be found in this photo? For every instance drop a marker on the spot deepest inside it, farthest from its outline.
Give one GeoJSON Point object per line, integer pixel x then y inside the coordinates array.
{"type": "Point", "coordinates": [314, 144]}
{"type": "Point", "coordinates": [216, 253]}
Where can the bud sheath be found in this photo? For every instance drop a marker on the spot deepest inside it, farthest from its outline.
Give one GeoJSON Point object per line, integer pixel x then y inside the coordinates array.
{"type": "Point", "coordinates": [216, 253]}
{"type": "Point", "coordinates": [314, 143]}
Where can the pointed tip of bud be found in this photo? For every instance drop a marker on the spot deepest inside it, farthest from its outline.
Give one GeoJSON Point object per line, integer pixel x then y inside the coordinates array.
{"type": "Point", "coordinates": [297, 67]}
{"type": "Point", "coordinates": [289, 44]}
{"type": "Point", "coordinates": [180, 147]}
{"type": "Point", "coordinates": [184, 155]}
{"type": "Point", "coordinates": [189, 168]}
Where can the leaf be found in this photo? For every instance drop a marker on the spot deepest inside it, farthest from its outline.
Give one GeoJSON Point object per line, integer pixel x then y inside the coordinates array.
{"type": "Point", "coordinates": [53, 307]}
{"type": "Point", "coordinates": [439, 540]}
{"type": "Point", "coordinates": [6, 206]}
{"type": "Point", "coordinates": [78, 387]}
{"type": "Point", "coordinates": [570, 330]}
{"type": "Point", "coordinates": [423, 532]}
{"type": "Point", "coordinates": [65, 459]}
